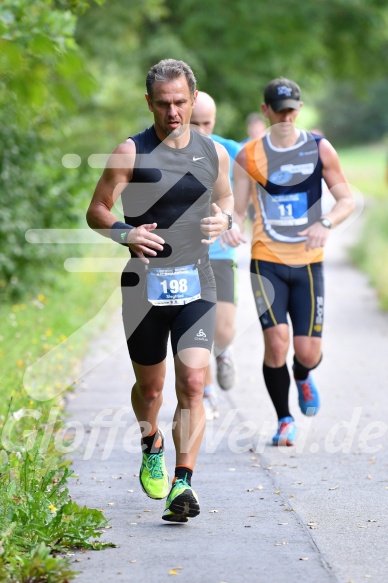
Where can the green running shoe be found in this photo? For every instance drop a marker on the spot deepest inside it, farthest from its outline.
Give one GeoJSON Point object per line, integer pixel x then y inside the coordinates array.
{"type": "Point", "coordinates": [182, 503]}
{"type": "Point", "coordinates": [153, 475]}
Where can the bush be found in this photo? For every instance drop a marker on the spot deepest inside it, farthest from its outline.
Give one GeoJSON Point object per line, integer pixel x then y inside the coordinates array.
{"type": "Point", "coordinates": [42, 80]}
{"type": "Point", "coordinates": [349, 117]}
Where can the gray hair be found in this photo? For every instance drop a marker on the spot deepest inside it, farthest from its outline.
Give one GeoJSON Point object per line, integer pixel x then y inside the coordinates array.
{"type": "Point", "coordinates": [167, 70]}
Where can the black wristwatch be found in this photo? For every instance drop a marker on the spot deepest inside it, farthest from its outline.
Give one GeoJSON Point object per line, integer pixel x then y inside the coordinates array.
{"type": "Point", "coordinates": [230, 219]}
{"type": "Point", "coordinates": [325, 222]}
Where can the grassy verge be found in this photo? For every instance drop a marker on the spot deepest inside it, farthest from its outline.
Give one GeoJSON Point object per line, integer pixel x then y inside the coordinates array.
{"type": "Point", "coordinates": [367, 169]}
{"type": "Point", "coordinates": [371, 251]}
{"type": "Point", "coordinates": [39, 522]}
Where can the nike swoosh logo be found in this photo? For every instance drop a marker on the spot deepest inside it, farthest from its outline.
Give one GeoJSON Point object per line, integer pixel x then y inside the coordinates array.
{"type": "Point", "coordinates": [196, 159]}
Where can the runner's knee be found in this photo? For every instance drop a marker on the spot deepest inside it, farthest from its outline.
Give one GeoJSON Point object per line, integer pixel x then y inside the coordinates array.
{"type": "Point", "coordinates": [308, 360]}
{"type": "Point", "coordinates": [189, 387]}
{"type": "Point", "coordinates": [149, 389]}
{"type": "Point", "coordinates": [276, 347]}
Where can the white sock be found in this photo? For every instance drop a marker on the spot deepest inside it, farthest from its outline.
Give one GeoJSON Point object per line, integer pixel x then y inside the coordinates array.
{"type": "Point", "coordinates": [227, 352]}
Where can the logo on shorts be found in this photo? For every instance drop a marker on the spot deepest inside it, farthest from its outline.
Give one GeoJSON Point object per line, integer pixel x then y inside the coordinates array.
{"type": "Point", "coordinates": [319, 314]}
{"type": "Point", "coordinates": [201, 336]}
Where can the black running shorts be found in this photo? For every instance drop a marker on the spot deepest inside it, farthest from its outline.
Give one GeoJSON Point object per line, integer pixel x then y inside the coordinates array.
{"type": "Point", "coordinates": [148, 327]}
{"type": "Point", "coordinates": [281, 289]}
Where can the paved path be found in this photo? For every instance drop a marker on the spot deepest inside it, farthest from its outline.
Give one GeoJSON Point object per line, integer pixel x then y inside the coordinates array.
{"type": "Point", "coordinates": [316, 512]}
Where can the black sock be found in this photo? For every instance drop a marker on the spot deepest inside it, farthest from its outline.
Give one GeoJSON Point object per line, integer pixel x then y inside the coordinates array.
{"type": "Point", "coordinates": [277, 381]}
{"type": "Point", "coordinates": [153, 443]}
{"type": "Point", "coordinates": [301, 372]}
{"type": "Point", "coordinates": [183, 473]}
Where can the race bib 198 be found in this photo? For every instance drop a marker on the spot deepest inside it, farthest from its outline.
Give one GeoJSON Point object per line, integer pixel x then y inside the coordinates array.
{"type": "Point", "coordinates": [287, 210]}
{"type": "Point", "coordinates": [172, 286]}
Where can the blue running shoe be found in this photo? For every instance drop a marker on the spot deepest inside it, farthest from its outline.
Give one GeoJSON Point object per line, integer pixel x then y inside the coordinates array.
{"type": "Point", "coordinates": [308, 396]}
{"type": "Point", "coordinates": [286, 432]}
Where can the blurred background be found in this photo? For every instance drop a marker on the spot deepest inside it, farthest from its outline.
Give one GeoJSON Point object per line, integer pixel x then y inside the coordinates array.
{"type": "Point", "coordinates": [72, 81]}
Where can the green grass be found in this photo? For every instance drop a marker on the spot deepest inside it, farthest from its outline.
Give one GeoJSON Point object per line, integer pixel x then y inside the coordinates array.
{"type": "Point", "coordinates": [367, 169]}
{"type": "Point", "coordinates": [43, 321]}
{"type": "Point", "coordinates": [38, 520]}
{"type": "Point", "coordinates": [370, 252]}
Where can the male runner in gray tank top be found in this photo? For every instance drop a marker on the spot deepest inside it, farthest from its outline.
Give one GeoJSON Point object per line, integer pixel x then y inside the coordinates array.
{"type": "Point", "coordinates": [177, 200]}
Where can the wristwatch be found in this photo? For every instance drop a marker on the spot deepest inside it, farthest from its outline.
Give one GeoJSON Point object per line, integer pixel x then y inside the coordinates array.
{"type": "Point", "coordinates": [230, 219]}
{"type": "Point", "coordinates": [325, 222]}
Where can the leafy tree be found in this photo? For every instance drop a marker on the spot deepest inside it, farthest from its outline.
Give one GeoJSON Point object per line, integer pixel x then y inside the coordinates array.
{"type": "Point", "coordinates": [112, 36]}
{"type": "Point", "coordinates": [242, 46]}
{"type": "Point", "coordinates": [234, 49]}
{"type": "Point", "coordinates": [357, 116]}
{"type": "Point", "coordinates": [42, 79]}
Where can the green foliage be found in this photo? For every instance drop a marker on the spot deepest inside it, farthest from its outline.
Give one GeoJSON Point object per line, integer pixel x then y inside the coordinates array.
{"type": "Point", "coordinates": [33, 483]}
{"type": "Point", "coordinates": [37, 566]}
{"type": "Point", "coordinates": [39, 194]}
{"type": "Point", "coordinates": [38, 517]}
{"type": "Point", "coordinates": [39, 57]}
{"type": "Point", "coordinates": [76, 6]}
{"type": "Point", "coordinates": [42, 77]}
{"type": "Point", "coordinates": [113, 37]}
{"type": "Point", "coordinates": [358, 45]}
{"type": "Point", "coordinates": [124, 35]}
{"type": "Point", "coordinates": [366, 167]}
{"type": "Point", "coordinates": [370, 253]}
{"type": "Point", "coordinates": [358, 116]}
{"type": "Point", "coordinates": [43, 81]}
{"type": "Point", "coordinates": [234, 50]}
{"type": "Point", "coordinates": [242, 46]}
{"type": "Point", "coordinates": [60, 316]}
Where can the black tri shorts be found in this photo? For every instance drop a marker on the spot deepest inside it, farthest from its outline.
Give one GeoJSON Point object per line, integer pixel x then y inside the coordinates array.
{"type": "Point", "coordinates": [148, 327]}
{"type": "Point", "coordinates": [225, 272]}
{"type": "Point", "coordinates": [298, 291]}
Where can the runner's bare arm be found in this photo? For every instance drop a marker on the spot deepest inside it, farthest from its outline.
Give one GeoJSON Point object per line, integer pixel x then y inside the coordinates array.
{"type": "Point", "coordinates": [222, 199]}
{"type": "Point", "coordinates": [234, 237]}
{"type": "Point", "coordinates": [337, 184]}
{"type": "Point", "coordinates": [335, 179]}
{"type": "Point", "coordinates": [242, 188]}
{"type": "Point", "coordinates": [117, 173]}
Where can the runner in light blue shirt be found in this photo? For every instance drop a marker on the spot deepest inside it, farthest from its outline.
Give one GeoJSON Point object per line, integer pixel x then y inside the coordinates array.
{"type": "Point", "coordinates": [223, 262]}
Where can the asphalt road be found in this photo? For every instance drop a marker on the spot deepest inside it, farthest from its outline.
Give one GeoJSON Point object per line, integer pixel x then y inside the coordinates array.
{"type": "Point", "coordinates": [313, 512]}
